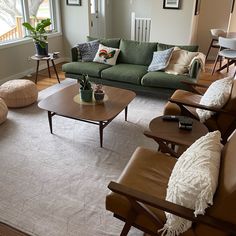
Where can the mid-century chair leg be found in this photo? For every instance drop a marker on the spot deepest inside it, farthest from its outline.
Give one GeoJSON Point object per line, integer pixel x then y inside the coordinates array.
{"type": "Point", "coordinates": [209, 49]}
{"type": "Point", "coordinates": [130, 219]}
{"type": "Point", "coordinates": [217, 58]}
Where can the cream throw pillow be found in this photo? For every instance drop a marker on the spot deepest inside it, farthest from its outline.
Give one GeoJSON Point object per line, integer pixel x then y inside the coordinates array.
{"type": "Point", "coordinates": [180, 61]}
{"type": "Point", "coordinates": [106, 55]}
{"type": "Point", "coordinates": [193, 181]}
{"type": "Point", "coordinates": [216, 96]}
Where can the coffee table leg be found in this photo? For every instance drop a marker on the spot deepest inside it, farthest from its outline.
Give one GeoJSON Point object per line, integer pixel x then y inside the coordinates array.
{"type": "Point", "coordinates": [126, 113]}
{"type": "Point", "coordinates": [101, 132]}
{"type": "Point", "coordinates": [50, 120]}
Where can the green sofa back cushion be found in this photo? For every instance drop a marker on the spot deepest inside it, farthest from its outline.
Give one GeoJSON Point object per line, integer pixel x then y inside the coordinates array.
{"type": "Point", "coordinates": [190, 48]}
{"type": "Point", "coordinates": [113, 42]}
{"type": "Point", "coordinates": [138, 53]}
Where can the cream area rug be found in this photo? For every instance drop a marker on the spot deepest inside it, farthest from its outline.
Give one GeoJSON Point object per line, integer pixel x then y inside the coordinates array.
{"type": "Point", "coordinates": [55, 185]}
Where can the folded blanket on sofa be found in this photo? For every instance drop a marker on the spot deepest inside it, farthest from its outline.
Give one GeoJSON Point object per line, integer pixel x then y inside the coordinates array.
{"type": "Point", "coordinates": [181, 61]}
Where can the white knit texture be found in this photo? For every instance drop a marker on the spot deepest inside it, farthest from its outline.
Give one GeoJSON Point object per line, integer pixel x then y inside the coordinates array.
{"type": "Point", "coordinates": [216, 96]}
{"type": "Point", "coordinates": [193, 181]}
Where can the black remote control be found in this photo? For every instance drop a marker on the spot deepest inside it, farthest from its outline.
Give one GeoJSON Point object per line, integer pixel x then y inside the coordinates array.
{"type": "Point", "coordinates": [170, 118]}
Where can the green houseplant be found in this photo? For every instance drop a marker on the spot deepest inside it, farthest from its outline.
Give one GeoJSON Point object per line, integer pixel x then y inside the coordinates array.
{"type": "Point", "coordinates": [86, 91]}
{"type": "Point", "coordinates": [38, 34]}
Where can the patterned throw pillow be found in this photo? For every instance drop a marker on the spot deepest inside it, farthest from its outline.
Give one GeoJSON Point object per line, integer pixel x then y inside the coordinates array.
{"type": "Point", "coordinates": [160, 60]}
{"type": "Point", "coordinates": [106, 55]}
{"type": "Point", "coordinates": [87, 51]}
{"type": "Point", "coordinates": [216, 96]}
{"type": "Point", "coordinates": [193, 181]}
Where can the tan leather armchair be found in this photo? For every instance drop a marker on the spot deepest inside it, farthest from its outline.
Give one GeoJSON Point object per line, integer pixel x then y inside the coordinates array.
{"type": "Point", "coordinates": [185, 103]}
{"type": "Point", "coordinates": [138, 197]}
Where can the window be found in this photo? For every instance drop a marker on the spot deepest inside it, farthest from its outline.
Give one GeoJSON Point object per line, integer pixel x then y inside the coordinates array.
{"type": "Point", "coordinates": [14, 12]}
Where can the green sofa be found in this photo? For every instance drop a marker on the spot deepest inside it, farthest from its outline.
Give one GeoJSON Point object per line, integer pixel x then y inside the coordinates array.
{"type": "Point", "coordinates": [130, 72]}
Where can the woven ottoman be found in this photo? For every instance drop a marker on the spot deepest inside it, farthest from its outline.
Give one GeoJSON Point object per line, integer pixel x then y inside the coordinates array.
{"type": "Point", "coordinates": [3, 111]}
{"type": "Point", "coordinates": [19, 93]}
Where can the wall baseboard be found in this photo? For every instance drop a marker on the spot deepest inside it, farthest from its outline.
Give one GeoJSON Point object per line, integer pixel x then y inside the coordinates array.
{"type": "Point", "coordinates": [31, 70]}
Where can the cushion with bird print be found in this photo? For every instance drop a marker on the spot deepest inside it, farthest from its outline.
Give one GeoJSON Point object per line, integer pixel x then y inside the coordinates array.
{"type": "Point", "coordinates": [106, 55]}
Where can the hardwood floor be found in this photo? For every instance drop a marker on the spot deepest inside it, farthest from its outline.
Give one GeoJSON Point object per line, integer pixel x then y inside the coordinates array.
{"type": "Point", "coordinates": [44, 81]}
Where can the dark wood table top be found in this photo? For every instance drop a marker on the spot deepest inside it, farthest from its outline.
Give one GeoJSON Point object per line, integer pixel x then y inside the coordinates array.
{"type": "Point", "coordinates": [171, 130]}
{"type": "Point", "coordinates": [62, 103]}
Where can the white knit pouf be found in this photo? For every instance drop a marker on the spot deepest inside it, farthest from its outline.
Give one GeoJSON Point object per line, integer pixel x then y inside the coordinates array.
{"type": "Point", "coordinates": [3, 111]}
{"type": "Point", "coordinates": [19, 93]}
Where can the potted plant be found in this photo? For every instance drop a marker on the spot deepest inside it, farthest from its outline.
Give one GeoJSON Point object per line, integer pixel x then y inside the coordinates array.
{"type": "Point", "coordinates": [38, 34]}
{"type": "Point", "coordinates": [98, 93]}
{"type": "Point", "coordinates": [86, 91]}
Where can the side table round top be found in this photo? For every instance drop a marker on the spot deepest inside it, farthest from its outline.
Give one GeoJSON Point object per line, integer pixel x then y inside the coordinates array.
{"type": "Point", "coordinates": [171, 130]}
{"type": "Point", "coordinates": [50, 56]}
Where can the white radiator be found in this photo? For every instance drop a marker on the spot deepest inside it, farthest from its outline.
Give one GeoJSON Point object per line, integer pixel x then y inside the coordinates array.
{"type": "Point", "coordinates": [140, 28]}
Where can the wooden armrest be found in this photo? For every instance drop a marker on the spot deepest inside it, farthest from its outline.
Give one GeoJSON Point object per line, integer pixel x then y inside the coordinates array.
{"type": "Point", "coordinates": [197, 105]}
{"type": "Point", "coordinates": [194, 84]}
{"type": "Point", "coordinates": [196, 87]}
{"type": "Point", "coordinates": [171, 208]}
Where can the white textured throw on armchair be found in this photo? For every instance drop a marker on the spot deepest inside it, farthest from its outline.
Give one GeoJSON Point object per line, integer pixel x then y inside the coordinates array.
{"type": "Point", "coordinates": [193, 181]}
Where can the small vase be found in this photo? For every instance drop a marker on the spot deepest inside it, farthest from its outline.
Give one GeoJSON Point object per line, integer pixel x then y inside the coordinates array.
{"type": "Point", "coordinates": [99, 96]}
{"type": "Point", "coordinates": [86, 95]}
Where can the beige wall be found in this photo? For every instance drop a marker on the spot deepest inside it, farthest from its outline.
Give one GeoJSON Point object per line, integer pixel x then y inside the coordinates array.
{"type": "Point", "coordinates": [168, 26]}
{"type": "Point", "coordinates": [75, 24]}
{"type": "Point", "coordinates": [14, 60]}
{"type": "Point", "coordinates": [213, 14]}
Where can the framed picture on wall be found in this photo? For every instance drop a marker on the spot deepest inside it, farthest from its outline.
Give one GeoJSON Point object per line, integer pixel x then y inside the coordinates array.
{"type": "Point", "coordinates": [171, 4]}
{"type": "Point", "coordinates": [197, 7]}
{"type": "Point", "coordinates": [73, 2]}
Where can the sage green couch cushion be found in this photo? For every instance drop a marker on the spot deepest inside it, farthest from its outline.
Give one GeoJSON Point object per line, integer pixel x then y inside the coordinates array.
{"type": "Point", "coordinates": [91, 68]}
{"type": "Point", "coordinates": [138, 53]}
{"type": "Point", "coordinates": [125, 73]}
{"type": "Point", "coordinates": [190, 48]}
{"type": "Point", "coordinates": [164, 80]}
{"type": "Point", "coordinates": [113, 42]}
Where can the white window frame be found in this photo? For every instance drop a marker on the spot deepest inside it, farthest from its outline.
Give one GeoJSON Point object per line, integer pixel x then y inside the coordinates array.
{"type": "Point", "coordinates": [56, 21]}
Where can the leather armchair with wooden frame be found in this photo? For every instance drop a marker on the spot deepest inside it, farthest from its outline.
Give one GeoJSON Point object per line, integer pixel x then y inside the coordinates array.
{"type": "Point", "coordinates": [185, 103]}
{"type": "Point", "coordinates": [138, 197]}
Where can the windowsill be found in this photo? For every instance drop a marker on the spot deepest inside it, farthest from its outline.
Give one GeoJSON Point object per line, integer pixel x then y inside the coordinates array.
{"type": "Point", "coordinates": [25, 41]}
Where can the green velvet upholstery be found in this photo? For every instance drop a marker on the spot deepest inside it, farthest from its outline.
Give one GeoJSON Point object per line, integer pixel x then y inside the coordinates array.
{"type": "Point", "coordinates": [138, 53]}
{"type": "Point", "coordinates": [113, 42]}
{"type": "Point", "coordinates": [125, 73]}
{"type": "Point", "coordinates": [91, 68]}
{"type": "Point", "coordinates": [191, 48]}
{"type": "Point", "coordinates": [163, 80]}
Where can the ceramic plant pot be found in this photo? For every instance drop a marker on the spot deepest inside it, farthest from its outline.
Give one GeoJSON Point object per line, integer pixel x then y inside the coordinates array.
{"type": "Point", "coordinates": [86, 95]}
{"type": "Point", "coordinates": [40, 51]}
{"type": "Point", "coordinates": [99, 96]}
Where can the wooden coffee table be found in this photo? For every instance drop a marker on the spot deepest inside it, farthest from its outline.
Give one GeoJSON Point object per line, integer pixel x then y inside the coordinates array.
{"type": "Point", "coordinates": [61, 103]}
{"type": "Point", "coordinates": [162, 130]}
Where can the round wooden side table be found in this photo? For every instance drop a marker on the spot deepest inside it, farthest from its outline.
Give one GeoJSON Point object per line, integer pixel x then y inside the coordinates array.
{"type": "Point", "coordinates": [169, 130]}
{"type": "Point", "coordinates": [51, 57]}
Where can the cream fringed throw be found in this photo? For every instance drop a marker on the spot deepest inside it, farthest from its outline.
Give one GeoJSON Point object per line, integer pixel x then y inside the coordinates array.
{"type": "Point", "coordinates": [193, 181]}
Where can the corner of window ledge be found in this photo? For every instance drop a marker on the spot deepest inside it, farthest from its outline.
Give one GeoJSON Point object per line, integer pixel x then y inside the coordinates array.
{"type": "Point", "coordinates": [25, 41]}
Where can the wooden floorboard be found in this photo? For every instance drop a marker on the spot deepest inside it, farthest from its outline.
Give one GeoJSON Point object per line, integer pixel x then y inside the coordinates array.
{"type": "Point", "coordinates": [44, 82]}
